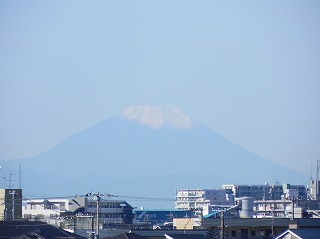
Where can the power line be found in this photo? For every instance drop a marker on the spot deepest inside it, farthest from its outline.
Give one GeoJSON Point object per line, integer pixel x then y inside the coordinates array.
{"type": "Point", "coordinates": [143, 198]}
{"type": "Point", "coordinates": [146, 198]}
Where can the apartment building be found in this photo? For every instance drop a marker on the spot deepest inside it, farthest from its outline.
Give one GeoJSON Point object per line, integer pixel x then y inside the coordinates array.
{"type": "Point", "coordinates": [202, 199]}
{"type": "Point", "coordinates": [277, 209]}
{"type": "Point", "coordinates": [266, 191]}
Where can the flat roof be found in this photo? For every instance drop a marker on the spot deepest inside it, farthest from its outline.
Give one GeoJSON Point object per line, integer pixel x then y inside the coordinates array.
{"type": "Point", "coordinates": [264, 222]}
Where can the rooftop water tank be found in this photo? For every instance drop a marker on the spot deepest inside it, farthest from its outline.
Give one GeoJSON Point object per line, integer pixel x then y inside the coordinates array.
{"type": "Point", "coordinates": [246, 207]}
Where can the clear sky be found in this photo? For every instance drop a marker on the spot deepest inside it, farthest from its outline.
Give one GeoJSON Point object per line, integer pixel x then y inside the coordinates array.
{"type": "Point", "coordinates": [247, 69]}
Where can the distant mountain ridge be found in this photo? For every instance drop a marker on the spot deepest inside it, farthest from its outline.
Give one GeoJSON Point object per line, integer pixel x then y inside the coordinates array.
{"type": "Point", "coordinates": [146, 151]}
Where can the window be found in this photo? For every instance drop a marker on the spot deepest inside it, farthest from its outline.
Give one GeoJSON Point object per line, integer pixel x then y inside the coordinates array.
{"type": "Point", "coordinates": [244, 233]}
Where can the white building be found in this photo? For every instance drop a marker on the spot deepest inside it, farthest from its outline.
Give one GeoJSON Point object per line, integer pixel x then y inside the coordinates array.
{"type": "Point", "coordinates": [277, 208]}
{"type": "Point", "coordinates": [265, 191]}
{"type": "Point", "coordinates": [57, 210]}
{"type": "Point", "coordinates": [203, 199]}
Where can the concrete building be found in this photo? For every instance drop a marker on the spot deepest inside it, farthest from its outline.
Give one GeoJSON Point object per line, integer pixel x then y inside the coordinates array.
{"type": "Point", "coordinates": [314, 190]}
{"type": "Point", "coordinates": [255, 227]}
{"type": "Point", "coordinates": [266, 191]}
{"type": "Point", "coordinates": [203, 199]}
{"type": "Point", "coordinates": [278, 208]}
{"type": "Point", "coordinates": [81, 211]}
{"type": "Point", "coordinates": [10, 204]}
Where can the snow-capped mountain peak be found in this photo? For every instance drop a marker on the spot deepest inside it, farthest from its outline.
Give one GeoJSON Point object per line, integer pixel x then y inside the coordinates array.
{"type": "Point", "coordinates": [158, 117]}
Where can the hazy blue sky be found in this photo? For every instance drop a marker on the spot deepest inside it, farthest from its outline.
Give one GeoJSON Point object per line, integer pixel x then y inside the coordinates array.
{"type": "Point", "coordinates": [247, 69]}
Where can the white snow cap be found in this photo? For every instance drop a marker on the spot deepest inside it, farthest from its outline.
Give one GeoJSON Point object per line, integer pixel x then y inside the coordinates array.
{"type": "Point", "coordinates": [158, 117]}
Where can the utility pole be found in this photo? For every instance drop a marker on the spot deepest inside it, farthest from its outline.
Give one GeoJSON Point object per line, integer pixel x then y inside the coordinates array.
{"type": "Point", "coordinates": [272, 225]}
{"type": "Point", "coordinates": [201, 217]}
{"type": "Point", "coordinates": [13, 193]}
{"type": "Point", "coordinates": [10, 180]}
{"type": "Point", "coordinates": [222, 225]}
{"type": "Point", "coordinates": [4, 181]}
{"type": "Point", "coordinates": [98, 211]}
{"type": "Point", "coordinates": [74, 223]}
{"type": "Point", "coordinates": [317, 181]}
{"type": "Point", "coordinates": [92, 227]}
{"type": "Point", "coordinates": [222, 214]}
{"type": "Point", "coordinates": [20, 175]}
{"type": "Point", "coordinates": [98, 197]}
{"type": "Point", "coordinates": [293, 201]}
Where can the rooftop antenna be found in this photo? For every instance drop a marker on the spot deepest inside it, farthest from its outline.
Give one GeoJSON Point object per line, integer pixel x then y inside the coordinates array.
{"type": "Point", "coordinates": [317, 182]}
{"type": "Point", "coordinates": [4, 181]}
{"type": "Point", "coordinates": [311, 179]}
{"type": "Point", "coordinates": [317, 170]}
{"type": "Point", "coordinates": [10, 180]}
{"type": "Point", "coordinates": [20, 175]}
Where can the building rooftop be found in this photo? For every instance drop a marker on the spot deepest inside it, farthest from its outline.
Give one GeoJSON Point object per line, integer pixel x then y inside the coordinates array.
{"type": "Point", "coordinates": [256, 222]}
{"type": "Point", "coordinates": [305, 233]}
{"type": "Point", "coordinates": [27, 229]}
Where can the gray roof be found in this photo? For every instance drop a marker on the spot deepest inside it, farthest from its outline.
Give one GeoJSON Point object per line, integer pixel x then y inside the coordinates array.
{"type": "Point", "coordinates": [28, 229]}
{"type": "Point", "coordinates": [186, 236]}
{"type": "Point", "coordinates": [244, 222]}
{"type": "Point", "coordinates": [160, 233]}
{"type": "Point", "coordinates": [127, 236]}
{"type": "Point", "coordinates": [258, 222]}
{"type": "Point", "coordinates": [303, 233]}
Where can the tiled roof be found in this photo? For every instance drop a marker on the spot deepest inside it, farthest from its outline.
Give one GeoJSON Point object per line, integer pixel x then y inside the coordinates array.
{"type": "Point", "coordinates": [15, 229]}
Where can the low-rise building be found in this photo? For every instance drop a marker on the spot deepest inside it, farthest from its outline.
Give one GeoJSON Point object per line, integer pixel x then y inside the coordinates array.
{"type": "Point", "coordinates": [159, 217]}
{"type": "Point", "coordinates": [78, 210]}
{"type": "Point", "coordinates": [255, 227]}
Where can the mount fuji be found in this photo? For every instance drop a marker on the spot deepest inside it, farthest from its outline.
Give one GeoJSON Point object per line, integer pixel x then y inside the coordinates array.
{"type": "Point", "coordinates": [146, 152]}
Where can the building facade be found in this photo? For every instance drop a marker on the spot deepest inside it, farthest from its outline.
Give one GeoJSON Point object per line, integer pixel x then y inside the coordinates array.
{"type": "Point", "coordinates": [82, 210]}
{"type": "Point", "coordinates": [278, 208]}
{"type": "Point", "coordinates": [159, 217]}
{"type": "Point", "coordinates": [10, 204]}
{"type": "Point", "coordinates": [314, 191]}
{"type": "Point", "coordinates": [266, 191]}
{"type": "Point", "coordinates": [203, 199]}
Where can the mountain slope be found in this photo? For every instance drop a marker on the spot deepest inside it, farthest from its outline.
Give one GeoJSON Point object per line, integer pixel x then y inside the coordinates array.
{"type": "Point", "coordinates": [129, 155]}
